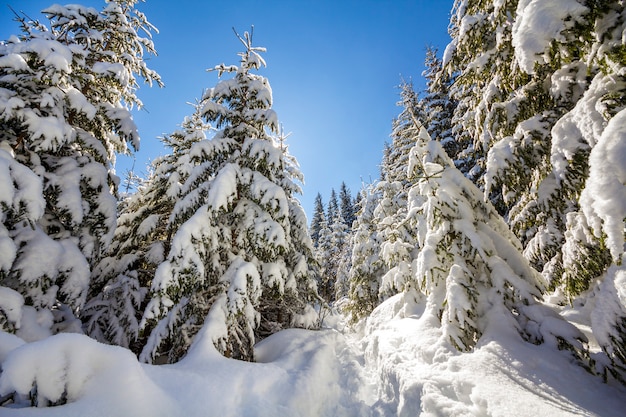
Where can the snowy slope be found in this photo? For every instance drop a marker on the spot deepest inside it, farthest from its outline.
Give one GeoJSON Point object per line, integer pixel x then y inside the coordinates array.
{"type": "Point", "coordinates": [393, 365]}
{"type": "Point", "coordinates": [419, 375]}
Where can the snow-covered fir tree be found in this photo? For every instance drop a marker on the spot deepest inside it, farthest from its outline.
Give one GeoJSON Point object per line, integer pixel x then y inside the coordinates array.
{"type": "Point", "coordinates": [65, 97]}
{"type": "Point", "coordinates": [587, 155]}
{"type": "Point", "coordinates": [539, 90]}
{"type": "Point", "coordinates": [397, 238]}
{"type": "Point", "coordinates": [241, 256]}
{"type": "Point", "coordinates": [470, 265]}
{"type": "Point", "coordinates": [348, 215]}
{"type": "Point", "coordinates": [333, 207]}
{"type": "Point", "coordinates": [520, 173]}
{"type": "Point", "coordinates": [584, 86]}
{"type": "Point", "coordinates": [479, 60]}
{"type": "Point", "coordinates": [141, 242]}
{"type": "Point", "coordinates": [325, 254]}
{"type": "Point", "coordinates": [346, 205]}
{"type": "Point", "coordinates": [367, 267]}
{"type": "Point", "coordinates": [342, 280]}
{"type": "Point", "coordinates": [319, 216]}
{"type": "Point", "coordinates": [438, 106]}
{"type": "Point", "coordinates": [337, 263]}
{"type": "Point", "coordinates": [334, 239]}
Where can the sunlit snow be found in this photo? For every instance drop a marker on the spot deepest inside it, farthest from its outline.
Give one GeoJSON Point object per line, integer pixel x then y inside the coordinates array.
{"type": "Point", "coordinates": [394, 364]}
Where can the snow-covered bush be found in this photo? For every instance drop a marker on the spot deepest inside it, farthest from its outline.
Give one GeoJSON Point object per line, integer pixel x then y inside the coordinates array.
{"type": "Point", "coordinates": [64, 368]}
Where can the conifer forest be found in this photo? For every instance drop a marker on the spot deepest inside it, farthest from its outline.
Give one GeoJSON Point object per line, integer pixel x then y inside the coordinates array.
{"type": "Point", "coordinates": [483, 273]}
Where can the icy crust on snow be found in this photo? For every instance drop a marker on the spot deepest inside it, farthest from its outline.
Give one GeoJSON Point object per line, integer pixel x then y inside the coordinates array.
{"type": "Point", "coordinates": [539, 23]}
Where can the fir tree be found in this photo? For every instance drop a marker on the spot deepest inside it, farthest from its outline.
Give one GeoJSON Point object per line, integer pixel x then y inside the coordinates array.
{"type": "Point", "coordinates": [346, 205]}
{"type": "Point", "coordinates": [141, 242]}
{"type": "Point", "coordinates": [367, 268]}
{"type": "Point", "coordinates": [240, 250]}
{"type": "Point", "coordinates": [318, 218]}
{"type": "Point", "coordinates": [479, 59]}
{"type": "Point", "coordinates": [333, 207]}
{"type": "Point", "coordinates": [437, 103]}
{"type": "Point", "coordinates": [344, 241]}
{"type": "Point", "coordinates": [539, 124]}
{"type": "Point", "coordinates": [65, 97]}
{"type": "Point", "coordinates": [336, 261]}
{"type": "Point", "coordinates": [470, 266]}
{"type": "Point", "coordinates": [397, 240]}
{"type": "Point", "coordinates": [325, 254]}
{"type": "Point", "coordinates": [342, 282]}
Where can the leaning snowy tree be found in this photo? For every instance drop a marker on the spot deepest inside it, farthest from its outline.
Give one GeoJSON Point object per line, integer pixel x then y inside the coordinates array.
{"type": "Point", "coordinates": [470, 265]}
{"type": "Point", "coordinates": [65, 99]}
{"type": "Point", "coordinates": [556, 84]}
{"type": "Point", "coordinates": [240, 262]}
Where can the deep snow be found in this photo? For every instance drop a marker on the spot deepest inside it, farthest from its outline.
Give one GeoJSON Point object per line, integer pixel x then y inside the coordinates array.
{"type": "Point", "coordinates": [393, 364]}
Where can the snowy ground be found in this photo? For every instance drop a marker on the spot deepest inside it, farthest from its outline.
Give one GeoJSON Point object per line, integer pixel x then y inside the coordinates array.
{"type": "Point", "coordinates": [389, 366]}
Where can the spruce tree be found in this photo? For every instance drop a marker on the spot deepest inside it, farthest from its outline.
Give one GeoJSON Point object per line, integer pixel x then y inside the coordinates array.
{"type": "Point", "coordinates": [470, 266]}
{"type": "Point", "coordinates": [588, 156]}
{"type": "Point", "coordinates": [240, 253]}
{"type": "Point", "coordinates": [437, 103]}
{"type": "Point", "coordinates": [346, 205]}
{"type": "Point", "coordinates": [479, 59]}
{"type": "Point", "coordinates": [333, 207]}
{"type": "Point", "coordinates": [367, 267]}
{"type": "Point", "coordinates": [325, 255]}
{"type": "Point", "coordinates": [397, 239]}
{"type": "Point", "coordinates": [141, 242]}
{"type": "Point", "coordinates": [538, 125]}
{"type": "Point", "coordinates": [340, 239]}
{"type": "Point", "coordinates": [65, 97]}
{"type": "Point", "coordinates": [318, 218]}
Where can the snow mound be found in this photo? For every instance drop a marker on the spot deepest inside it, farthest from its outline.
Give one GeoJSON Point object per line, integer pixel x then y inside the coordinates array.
{"type": "Point", "coordinates": [95, 379]}
{"type": "Point", "coordinates": [420, 374]}
{"type": "Point", "coordinates": [300, 373]}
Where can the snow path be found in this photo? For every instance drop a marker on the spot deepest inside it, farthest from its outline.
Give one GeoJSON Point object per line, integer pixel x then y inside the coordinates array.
{"type": "Point", "coordinates": [417, 374]}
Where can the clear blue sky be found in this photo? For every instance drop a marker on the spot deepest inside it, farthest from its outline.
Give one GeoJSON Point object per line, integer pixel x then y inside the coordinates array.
{"type": "Point", "coordinates": [334, 66]}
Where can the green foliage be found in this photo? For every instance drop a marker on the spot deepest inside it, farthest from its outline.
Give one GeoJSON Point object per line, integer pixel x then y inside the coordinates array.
{"type": "Point", "coordinates": [240, 258]}
{"type": "Point", "coordinates": [367, 268]}
{"type": "Point", "coordinates": [73, 116]}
